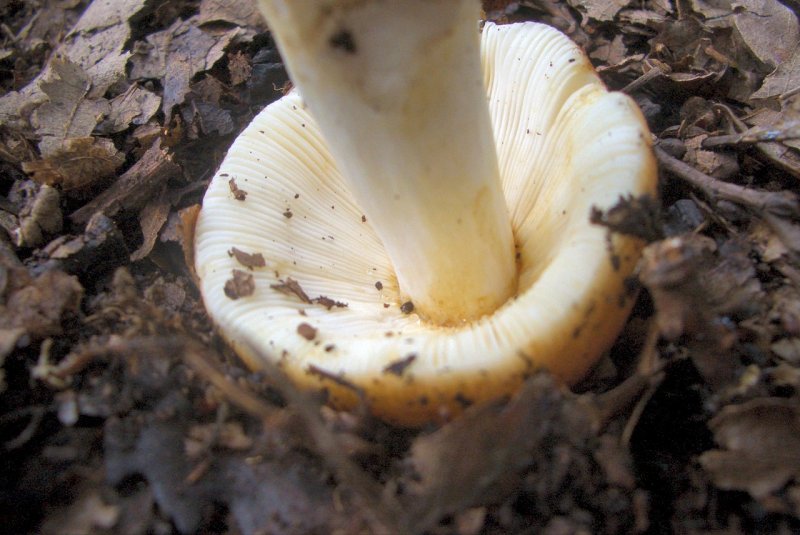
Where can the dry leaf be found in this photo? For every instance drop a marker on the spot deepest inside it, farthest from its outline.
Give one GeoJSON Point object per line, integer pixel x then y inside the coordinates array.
{"type": "Point", "coordinates": [188, 221]}
{"type": "Point", "coordinates": [77, 163]}
{"type": "Point", "coordinates": [601, 10]}
{"type": "Point", "coordinates": [135, 106]}
{"type": "Point", "coordinates": [237, 13]}
{"type": "Point", "coordinates": [176, 55]}
{"type": "Point", "coordinates": [38, 305]}
{"type": "Point", "coordinates": [483, 454]}
{"type": "Point", "coordinates": [96, 45]}
{"type": "Point", "coordinates": [784, 80]}
{"type": "Point", "coordinates": [98, 40]}
{"type": "Point", "coordinates": [239, 68]}
{"type": "Point", "coordinates": [69, 113]}
{"type": "Point", "coordinates": [760, 443]}
{"type": "Point", "coordinates": [151, 219]}
{"type": "Point", "coordinates": [758, 22]}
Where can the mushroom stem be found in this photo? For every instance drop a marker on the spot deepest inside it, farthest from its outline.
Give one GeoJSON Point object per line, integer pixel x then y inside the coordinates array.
{"type": "Point", "coordinates": [397, 90]}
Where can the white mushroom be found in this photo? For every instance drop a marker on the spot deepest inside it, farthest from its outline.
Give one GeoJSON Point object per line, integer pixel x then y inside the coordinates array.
{"type": "Point", "coordinates": [390, 181]}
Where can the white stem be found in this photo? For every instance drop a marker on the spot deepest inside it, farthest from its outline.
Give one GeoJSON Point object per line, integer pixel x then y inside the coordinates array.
{"type": "Point", "coordinates": [397, 90]}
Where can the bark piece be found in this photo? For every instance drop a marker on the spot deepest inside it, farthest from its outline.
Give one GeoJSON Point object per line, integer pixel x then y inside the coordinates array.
{"type": "Point", "coordinates": [135, 187]}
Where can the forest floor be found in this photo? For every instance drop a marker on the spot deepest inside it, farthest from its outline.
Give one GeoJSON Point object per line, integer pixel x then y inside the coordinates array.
{"type": "Point", "coordinates": [122, 411]}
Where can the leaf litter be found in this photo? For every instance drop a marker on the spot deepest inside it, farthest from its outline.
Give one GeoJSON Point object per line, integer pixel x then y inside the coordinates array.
{"type": "Point", "coordinates": [124, 412]}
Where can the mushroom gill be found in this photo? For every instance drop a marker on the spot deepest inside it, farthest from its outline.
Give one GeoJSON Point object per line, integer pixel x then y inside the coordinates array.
{"type": "Point", "coordinates": [564, 145]}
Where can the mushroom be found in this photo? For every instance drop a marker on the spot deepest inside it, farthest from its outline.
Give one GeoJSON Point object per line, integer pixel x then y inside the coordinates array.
{"type": "Point", "coordinates": [422, 204]}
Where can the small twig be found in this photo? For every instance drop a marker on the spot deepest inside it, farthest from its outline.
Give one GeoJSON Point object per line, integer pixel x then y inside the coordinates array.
{"type": "Point", "coordinates": [751, 137]}
{"type": "Point", "coordinates": [638, 409]}
{"type": "Point", "coordinates": [783, 203]}
{"type": "Point", "coordinates": [773, 150]}
{"type": "Point", "coordinates": [634, 391]}
{"type": "Point", "coordinates": [36, 414]}
{"type": "Point", "coordinates": [244, 399]}
{"type": "Point", "coordinates": [653, 74]}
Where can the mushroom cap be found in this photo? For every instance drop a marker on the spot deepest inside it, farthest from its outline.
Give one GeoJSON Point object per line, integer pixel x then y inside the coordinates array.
{"type": "Point", "coordinates": [565, 145]}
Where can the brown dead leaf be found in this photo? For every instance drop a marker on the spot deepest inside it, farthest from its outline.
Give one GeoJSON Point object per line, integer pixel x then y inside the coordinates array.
{"type": "Point", "coordinates": [237, 13]}
{"type": "Point", "coordinates": [151, 219]}
{"type": "Point", "coordinates": [76, 163]}
{"type": "Point", "coordinates": [98, 40]}
{"type": "Point", "coordinates": [176, 55]}
{"type": "Point", "coordinates": [784, 80]}
{"type": "Point", "coordinates": [187, 225]}
{"type": "Point", "coordinates": [292, 288]}
{"type": "Point", "coordinates": [239, 68]}
{"type": "Point", "coordinates": [613, 53]}
{"type": "Point", "coordinates": [716, 164]}
{"type": "Point", "coordinates": [600, 10]}
{"type": "Point", "coordinates": [760, 446]}
{"type": "Point", "coordinates": [70, 113]}
{"type": "Point", "coordinates": [135, 187]}
{"type": "Point", "coordinates": [38, 305]}
{"type": "Point", "coordinates": [694, 285]}
{"type": "Point", "coordinates": [136, 106]}
{"type": "Point", "coordinates": [209, 89]}
{"type": "Point", "coordinates": [241, 284]}
{"type": "Point", "coordinates": [96, 46]}
{"type": "Point", "coordinates": [758, 22]}
{"type": "Point", "coordinates": [288, 495]}
{"type": "Point", "coordinates": [205, 118]}
{"type": "Point", "coordinates": [481, 456]}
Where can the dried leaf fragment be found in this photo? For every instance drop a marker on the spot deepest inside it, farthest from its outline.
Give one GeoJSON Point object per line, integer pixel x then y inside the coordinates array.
{"type": "Point", "coordinates": [328, 303]}
{"type": "Point", "coordinates": [602, 10]}
{"type": "Point", "coordinates": [151, 220]}
{"type": "Point", "coordinates": [248, 260]}
{"type": "Point", "coordinates": [38, 305]}
{"type": "Point", "coordinates": [238, 194]}
{"type": "Point", "coordinates": [175, 55]}
{"type": "Point", "coordinates": [238, 13]}
{"type": "Point", "coordinates": [241, 284]}
{"type": "Point", "coordinates": [292, 287]}
{"type": "Point", "coordinates": [70, 113]}
{"type": "Point", "coordinates": [135, 106]}
{"type": "Point", "coordinates": [760, 446]}
{"type": "Point", "coordinates": [399, 367]}
{"type": "Point", "coordinates": [76, 163]}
